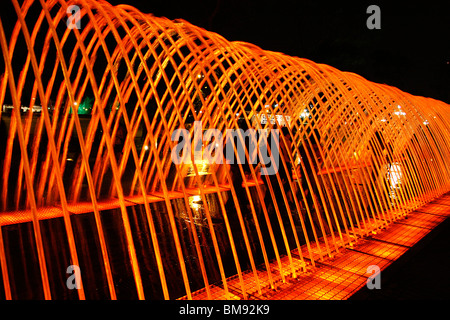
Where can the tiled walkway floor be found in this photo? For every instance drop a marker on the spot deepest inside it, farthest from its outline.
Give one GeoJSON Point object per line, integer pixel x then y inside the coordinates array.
{"type": "Point", "coordinates": [420, 274]}
{"type": "Point", "coordinates": [342, 276]}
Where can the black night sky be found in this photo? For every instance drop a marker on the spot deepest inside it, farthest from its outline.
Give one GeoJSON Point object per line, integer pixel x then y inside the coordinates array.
{"type": "Point", "coordinates": [411, 50]}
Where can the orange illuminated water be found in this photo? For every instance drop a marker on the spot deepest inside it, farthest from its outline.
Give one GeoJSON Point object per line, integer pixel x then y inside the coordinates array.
{"type": "Point", "coordinates": [87, 173]}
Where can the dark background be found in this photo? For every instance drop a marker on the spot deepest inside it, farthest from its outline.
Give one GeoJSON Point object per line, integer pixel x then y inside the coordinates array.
{"type": "Point", "coordinates": [411, 51]}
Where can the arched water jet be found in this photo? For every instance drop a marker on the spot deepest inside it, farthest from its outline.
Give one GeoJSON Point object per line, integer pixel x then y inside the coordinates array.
{"type": "Point", "coordinates": [360, 155]}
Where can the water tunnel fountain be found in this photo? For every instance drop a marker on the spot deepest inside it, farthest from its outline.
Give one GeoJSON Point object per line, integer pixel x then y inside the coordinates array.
{"type": "Point", "coordinates": [95, 99]}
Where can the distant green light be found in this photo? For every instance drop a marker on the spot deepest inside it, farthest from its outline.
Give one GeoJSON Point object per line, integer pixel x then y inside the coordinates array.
{"type": "Point", "coordinates": [85, 107]}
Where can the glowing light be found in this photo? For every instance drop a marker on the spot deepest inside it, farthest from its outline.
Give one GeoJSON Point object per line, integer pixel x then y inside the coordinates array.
{"type": "Point", "coordinates": [304, 114]}
{"type": "Point", "coordinates": [400, 113]}
{"type": "Point", "coordinates": [395, 175]}
{"type": "Point", "coordinates": [348, 182]}
{"type": "Point", "coordinates": [195, 202]}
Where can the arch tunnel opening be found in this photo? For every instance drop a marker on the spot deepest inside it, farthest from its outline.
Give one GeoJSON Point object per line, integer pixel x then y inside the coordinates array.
{"type": "Point", "coordinates": [153, 153]}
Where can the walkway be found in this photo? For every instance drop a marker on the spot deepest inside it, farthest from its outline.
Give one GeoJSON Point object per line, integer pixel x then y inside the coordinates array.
{"type": "Point", "coordinates": [343, 275]}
